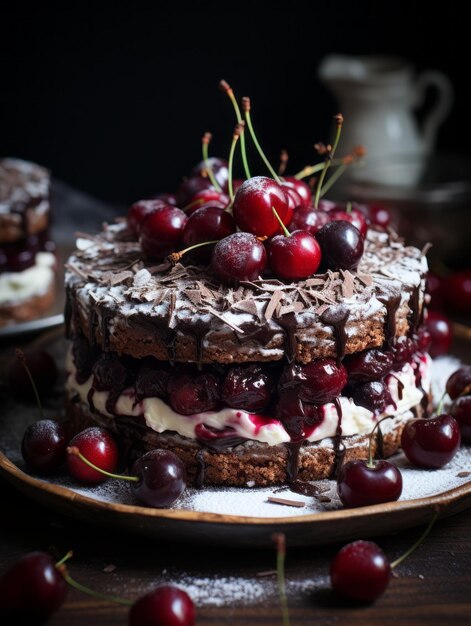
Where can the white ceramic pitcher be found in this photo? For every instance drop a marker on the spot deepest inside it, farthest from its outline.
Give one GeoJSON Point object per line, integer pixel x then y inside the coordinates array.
{"type": "Point", "coordinates": [377, 96]}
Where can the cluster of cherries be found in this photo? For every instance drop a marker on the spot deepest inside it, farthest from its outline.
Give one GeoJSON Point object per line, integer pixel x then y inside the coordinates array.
{"type": "Point", "coordinates": [20, 255]}
{"type": "Point", "coordinates": [243, 237]}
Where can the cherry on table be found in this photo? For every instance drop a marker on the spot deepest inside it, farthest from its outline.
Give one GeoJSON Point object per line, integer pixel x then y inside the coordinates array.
{"type": "Point", "coordinates": [189, 395]}
{"type": "Point", "coordinates": [44, 445]}
{"type": "Point", "coordinates": [161, 478]}
{"type": "Point", "coordinates": [240, 256]}
{"type": "Point", "coordinates": [32, 589]}
{"type": "Point", "coordinates": [431, 442]}
{"type": "Point", "coordinates": [308, 218]}
{"type": "Point", "coordinates": [360, 572]}
{"type": "Point", "coordinates": [165, 606]}
{"type": "Point", "coordinates": [341, 244]}
{"type": "Point", "coordinates": [439, 327]}
{"type": "Point", "coordinates": [295, 257]}
{"type": "Point", "coordinates": [161, 231]}
{"type": "Point", "coordinates": [247, 387]}
{"type": "Point", "coordinates": [461, 411]}
{"type": "Point", "coordinates": [99, 447]}
{"type": "Point", "coordinates": [362, 484]}
{"type": "Point", "coordinates": [43, 371]}
{"type": "Point", "coordinates": [254, 203]}
{"type": "Point", "coordinates": [207, 224]}
{"type": "Point", "coordinates": [459, 383]}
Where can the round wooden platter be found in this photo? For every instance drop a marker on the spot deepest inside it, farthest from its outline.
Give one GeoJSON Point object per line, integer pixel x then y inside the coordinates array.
{"type": "Point", "coordinates": [191, 526]}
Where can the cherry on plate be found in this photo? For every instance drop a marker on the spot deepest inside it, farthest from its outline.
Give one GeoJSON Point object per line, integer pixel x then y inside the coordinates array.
{"type": "Point", "coordinates": [359, 484]}
{"type": "Point", "coordinates": [98, 446]}
{"type": "Point", "coordinates": [431, 442]}
{"type": "Point", "coordinates": [162, 478]}
{"type": "Point", "coordinates": [44, 445]}
{"type": "Point", "coordinates": [461, 411]}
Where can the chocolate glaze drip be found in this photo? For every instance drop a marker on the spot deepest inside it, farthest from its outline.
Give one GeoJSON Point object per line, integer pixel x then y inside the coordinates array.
{"type": "Point", "coordinates": [159, 328]}
{"type": "Point", "coordinates": [68, 313]}
{"type": "Point", "coordinates": [391, 303]}
{"type": "Point", "coordinates": [91, 325]}
{"type": "Point", "coordinates": [424, 402]}
{"type": "Point", "coordinates": [338, 453]}
{"type": "Point", "coordinates": [106, 315]}
{"type": "Point", "coordinates": [217, 444]}
{"type": "Point", "coordinates": [293, 458]}
{"type": "Point", "coordinates": [289, 324]}
{"type": "Point", "coordinates": [337, 318]}
{"type": "Point", "coordinates": [200, 469]}
{"type": "Point", "coordinates": [415, 314]}
{"type": "Point", "coordinates": [198, 330]}
{"type": "Point", "coordinates": [400, 387]}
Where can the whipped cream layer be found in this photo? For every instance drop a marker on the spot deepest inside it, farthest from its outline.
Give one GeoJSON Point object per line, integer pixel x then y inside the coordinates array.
{"type": "Point", "coordinates": [34, 281]}
{"type": "Point", "coordinates": [160, 417]}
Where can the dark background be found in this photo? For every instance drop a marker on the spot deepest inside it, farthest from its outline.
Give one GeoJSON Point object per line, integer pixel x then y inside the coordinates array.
{"type": "Point", "coordinates": [114, 97]}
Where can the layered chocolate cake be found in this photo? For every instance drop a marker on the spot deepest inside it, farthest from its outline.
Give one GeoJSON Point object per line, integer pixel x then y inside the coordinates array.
{"type": "Point", "coordinates": [258, 381]}
{"type": "Point", "coordinates": [27, 257]}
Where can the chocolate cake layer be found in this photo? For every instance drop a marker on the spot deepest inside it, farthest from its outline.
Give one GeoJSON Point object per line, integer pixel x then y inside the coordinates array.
{"type": "Point", "coordinates": [24, 199]}
{"type": "Point", "coordinates": [125, 304]}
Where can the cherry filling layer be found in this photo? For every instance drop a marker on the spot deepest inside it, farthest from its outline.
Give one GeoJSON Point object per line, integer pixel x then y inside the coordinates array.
{"type": "Point", "coordinates": [21, 255]}
{"type": "Point", "coordinates": [270, 402]}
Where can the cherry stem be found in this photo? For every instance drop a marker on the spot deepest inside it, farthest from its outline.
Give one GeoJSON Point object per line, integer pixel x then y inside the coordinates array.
{"type": "Point", "coordinates": [65, 558]}
{"type": "Point", "coordinates": [238, 132]}
{"type": "Point", "coordinates": [196, 202]}
{"type": "Point", "coordinates": [248, 118]}
{"type": "Point", "coordinates": [20, 355]}
{"type": "Point", "coordinates": [333, 179]}
{"type": "Point", "coordinates": [76, 452]}
{"type": "Point", "coordinates": [204, 146]}
{"type": "Point", "coordinates": [370, 463]}
{"type": "Point", "coordinates": [349, 207]}
{"type": "Point", "coordinates": [440, 403]}
{"type": "Point", "coordinates": [174, 257]}
{"type": "Point", "coordinates": [90, 592]}
{"type": "Point", "coordinates": [308, 170]}
{"type": "Point", "coordinates": [283, 227]}
{"type": "Point", "coordinates": [338, 131]}
{"type": "Point", "coordinates": [416, 544]}
{"type": "Point", "coordinates": [225, 87]}
{"type": "Point", "coordinates": [280, 543]}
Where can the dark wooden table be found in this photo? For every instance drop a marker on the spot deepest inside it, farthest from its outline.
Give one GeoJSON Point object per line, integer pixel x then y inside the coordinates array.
{"type": "Point", "coordinates": [432, 587]}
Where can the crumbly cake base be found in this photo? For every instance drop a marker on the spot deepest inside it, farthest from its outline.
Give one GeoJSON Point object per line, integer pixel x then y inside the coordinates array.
{"type": "Point", "coordinates": [28, 309]}
{"type": "Point", "coordinates": [251, 463]}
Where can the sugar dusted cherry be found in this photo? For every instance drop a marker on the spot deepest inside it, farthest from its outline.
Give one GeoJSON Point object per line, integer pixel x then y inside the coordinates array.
{"type": "Point", "coordinates": [240, 256]}
{"type": "Point", "coordinates": [207, 224]}
{"type": "Point", "coordinates": [139, 210]}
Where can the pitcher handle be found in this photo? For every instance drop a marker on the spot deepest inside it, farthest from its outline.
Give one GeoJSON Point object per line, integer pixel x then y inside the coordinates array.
{"type": "Point", "coordinates": [442, 106]}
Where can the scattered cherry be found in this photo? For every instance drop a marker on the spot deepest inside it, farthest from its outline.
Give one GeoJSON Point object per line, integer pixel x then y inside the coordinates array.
{"type": "Point", "coordinates": [439, 327]}
{"type": "Point", "coordinates": [44, 445]}
{"type": "Point", "coordinates": [99, 447]}
{"type": "Point", "coordinates": [307, 218]}
{"type": "Point", "coordinates": [459, 383]}
{"type": "Point", "coordinates": [318, 382]}
{"type": "Point", "coordinates": [43, 372]}
{"type": "Point", "coordinates": [254, 203]}
{"type": "Point", "coordinates": [360, 571]}
{"type": "Point", "coordinates": [165, 606]}
{"type": "Point", "coordinates": [240, 256]}
{"type": "Point", "coordinates": [247, 387]}
{"type": "Point", "coordinates": [32, 589]}
{"type": "Point", "coordinates": [302, 189]}
{"type": "Point", "coordinates": [368, 365]}
{"type": "Point", "coordinates": [431, 442]}
{"type": "Point", "coordinates": [461, 411]}
{"type": "Point", "coordinates": [360, 483]}
{"type": "Point", "coordinates": [207, 224]}
{"type": "Point", "coordinates": [341, 244]}
{"type": "Point", "coordinates": [140, 210]}
{"type": "Point", "coordinates": [189, 395]}
{"type": "Point", "coordinates": [161, 231]}
{"type": "Point", "coordinates": [295, 257]}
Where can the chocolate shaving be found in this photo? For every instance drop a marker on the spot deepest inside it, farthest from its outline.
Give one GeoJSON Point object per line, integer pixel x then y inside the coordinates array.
{"type": "Point", "coordinates": [296, 307]}
{"type": "Point", "coordinates": [273, 303]}
{"type": "Point", "coordinates": [247, 306]}
{"type": "Point", "coordinates": [286, 502]}
{"type": "Point", "coordinates": [348, 284]}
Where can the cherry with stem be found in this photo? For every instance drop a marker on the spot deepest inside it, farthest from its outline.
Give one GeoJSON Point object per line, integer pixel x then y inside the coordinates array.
{"type": "Point", "coordinates": [204, 148]}
{"type": "Point", "coordinates": [224, 86]}
{"type": "Point", "coordinates": [246, 107]}
{"type": "Point", "coordinates": [238, 132]}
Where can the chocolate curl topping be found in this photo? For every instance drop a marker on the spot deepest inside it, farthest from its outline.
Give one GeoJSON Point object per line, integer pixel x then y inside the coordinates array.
{"type": "Point", "coordinates": [246, 104]}
{"type": "Point", "coordinates": [206, 138]}
{"type": "Point", "coordinates": [239, 129]}
{"type": "Point", "coordinates": [224, 86]}
{"type": "Point", "coordinates": [338, 120]}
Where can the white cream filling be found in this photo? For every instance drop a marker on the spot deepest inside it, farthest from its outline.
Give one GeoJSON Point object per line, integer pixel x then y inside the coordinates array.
{"type": "Point", "coordinates": [160, 417]}
{"type": "Point", "coordinates": [34, 281]}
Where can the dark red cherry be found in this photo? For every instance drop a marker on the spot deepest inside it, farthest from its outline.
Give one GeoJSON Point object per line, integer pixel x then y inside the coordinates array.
{"type": "Point", "coordinates": [207, 224]}
{"type": "Point", "coordinates": [295, 257]}
{"type": "Point", "coordinates": [457, 291]}
{"type": "Point", "coordinates": [214, 204]}
{"type": "Point", "coordinates": [189, 395]}
{"type": "Point", "coordinates": [423, 339]}
{"type": "Point", "coordinates": [302, 189]}
{"type": "Point", "coordinates": [459, 383]}
{"type": "Point", "coordinates": [44, 445]}
{"type": "Point", "coordinates": [240, 256]}
{"type": "Point", "coordinates": [209, 195]}
{"type": "Point", "coordinates": [162, 478]}
{"type": "Point", "coordinates": [307, 218]}
{"type": "Point", "coordinates": [218, 168]}
{"type": "Point", "coordinates": [161, 232]}
{"type": "Point", "coordinates": [439, 327]}
{"type": "Point", "coordinates": [254, 203]}
{"type": "Point", "coordinates": [298, 417]}
{"type": "Point", "coordinates": [341, 244]}
{"type": "Point", "coordinates": [292, 197]}
{"type": "Point", "coordinates": [139, 210]}
{"type": "Point", "coordinates": [167, 197]}
{"type": "Point", "coordinates": [403, 351]}
{"type": "Point", "coordinates": [165, 606]}
{"type": "Point", "coordinates": [431, 442]}
{"type": "Point", "coordinates": [317, 382]}
{"type": "Point", "coordinates": [327, 205]}
{"type": "Point", "coordinates": [31, 590]}
{"type": "Point", "coordinates": [247, 387]}
{"type": "Point", "coordinates": [353, 217]}
{"type": "Point", "coordinates": [379, 215]}
{"type": "Point", "coordinates": [189, 187]}
{"type": "Point", "coordinates": [358, 484]}
{"type": "Point", "coordinates": [461, 411]}
{"type": "Point", "coordinates": [20, 259]}
{"type": "Point", "coordinates": [84, 356]}
{"type": "Point", "coordinates": [360, 572]}
{"type": "Point", "coordinates": [436, 288]}
{"type": "Point", "coordinates": [368, 365]}
{"type": "Point", "coordinates": [97, 446]}
{"type": "Point", "coordinates": [151, 383]}
{"type": "Point", "coordinates": [374, 396]}
{"type": "Point", "coordinates": [236, 183]}
{"type": "Point", "coordinates": [109, 374]}
{"type": "Point", "coordinates": [43, 371]}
